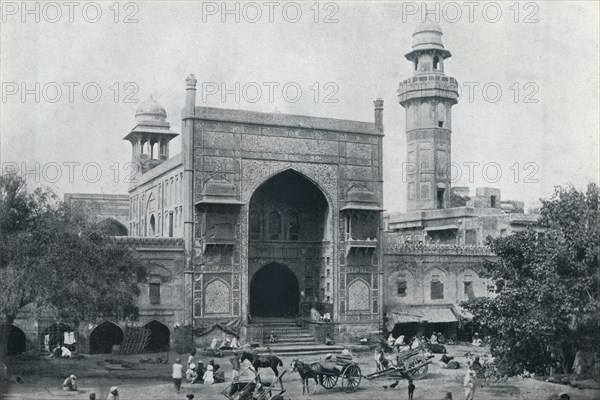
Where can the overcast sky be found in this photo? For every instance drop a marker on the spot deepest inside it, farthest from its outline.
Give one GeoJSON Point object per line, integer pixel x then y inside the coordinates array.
{"type": "Point", "coordinates": [541, 131]}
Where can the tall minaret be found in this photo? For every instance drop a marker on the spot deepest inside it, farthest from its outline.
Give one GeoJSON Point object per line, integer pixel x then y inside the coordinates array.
{"type": "Point", "coordinates": [428, 98]}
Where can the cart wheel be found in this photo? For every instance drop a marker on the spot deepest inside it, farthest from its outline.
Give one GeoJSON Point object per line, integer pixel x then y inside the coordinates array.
{"type": "Point", "coordinates": [351, 377]}
{"type": "Point", "coordinates": [418, 373]}
{"type": "Point", "coordinates": [328, 381]}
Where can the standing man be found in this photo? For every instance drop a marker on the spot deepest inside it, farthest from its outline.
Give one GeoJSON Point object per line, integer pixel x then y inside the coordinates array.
{"type": "Point", "coordinates": [469, 384]}
{"type": "Point", "coordinates": [411, 389]}
{"type": "Point", "coordinates": [177, 374]}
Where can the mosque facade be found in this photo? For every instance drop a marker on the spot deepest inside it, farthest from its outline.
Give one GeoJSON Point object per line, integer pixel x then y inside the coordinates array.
{"type": "Point", "coordinates": [266, 216]}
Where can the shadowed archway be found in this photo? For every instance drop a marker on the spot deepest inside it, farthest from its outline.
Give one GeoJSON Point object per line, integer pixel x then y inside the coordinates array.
{"type": "Point", "coordinates": [274, 292]}
{"type": "Point", "coordinates": [16, 342]}
{"type": "Point", "coordinates": [104, 337]}
{"type": "Point", "coordinates": [159, 337]}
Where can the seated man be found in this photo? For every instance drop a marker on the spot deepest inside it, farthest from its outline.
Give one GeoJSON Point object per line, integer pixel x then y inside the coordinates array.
{"type": "Point", "coordinates": [328, 340]}
{"type": "Point", "coordinates": [441, 338]}
{"type": "Point", "coordinates": [226, 345]}
{"type": "Point", "coordinates": [191, 375]}
{"type": "Point", "coordinates": [346, 354]}
{"type": "Point", "coordinates": [65, 352]}
{"type": "Point", "coordinates": [433, 339]}
{"type": "Point", "coordinates": [416, 343]}
{"type": "Point", "coordinates": [399, 342]}
{"type": "Point", "coordinates": [70, 384]}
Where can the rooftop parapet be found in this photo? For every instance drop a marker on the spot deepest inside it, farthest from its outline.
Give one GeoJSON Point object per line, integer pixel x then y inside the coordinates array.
{"type": "Point", "coordinates": [285, 120]}
{"type": "Point", "coordinates": [436, 249]}
{"type": "Point", "coordinates": [150, 242]}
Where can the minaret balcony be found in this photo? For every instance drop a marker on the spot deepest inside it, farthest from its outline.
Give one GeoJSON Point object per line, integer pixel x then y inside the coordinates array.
{"type": "Point", "coordinates": [425, 86]}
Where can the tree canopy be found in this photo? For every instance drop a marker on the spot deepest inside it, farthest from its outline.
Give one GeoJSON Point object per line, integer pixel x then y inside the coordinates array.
{"type": "Point", "coordinates": [456, 200]}
{"type": "Point", "coordinates": [547, 286]}
{"type": "Point", "coordinates": [56, 254]}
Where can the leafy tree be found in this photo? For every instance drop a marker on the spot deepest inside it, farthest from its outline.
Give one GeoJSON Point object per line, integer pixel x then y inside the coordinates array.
{"type": "Point", "coordinates": [57, 254]}
{"type": "Point", "coordinates": [456, 200]}
{"type": "Point", "coordinates": [547, 300]}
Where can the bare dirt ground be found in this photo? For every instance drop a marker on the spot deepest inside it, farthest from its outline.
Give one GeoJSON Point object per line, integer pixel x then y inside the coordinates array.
{"type": "Point", "coordinates": [42, 379]}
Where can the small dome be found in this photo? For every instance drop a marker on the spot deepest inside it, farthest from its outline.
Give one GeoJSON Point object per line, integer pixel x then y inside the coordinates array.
{"type": "Point", "coordinates": [428, 26]}
{"type": "Point", "coordinates": [150, 112]}
{"type": "Point", "coordinates": [427, 35]}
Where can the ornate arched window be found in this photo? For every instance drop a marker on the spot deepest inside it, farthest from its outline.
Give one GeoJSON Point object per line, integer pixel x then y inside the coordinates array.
{"type": "Point", "coordinates": [152, 226]}
{"type": "Point", "coordinates": [293, 226]}
{"type": "Point", "coordinates": [255, 225]}
{"type": "Point", "coordinates": [274, 226]}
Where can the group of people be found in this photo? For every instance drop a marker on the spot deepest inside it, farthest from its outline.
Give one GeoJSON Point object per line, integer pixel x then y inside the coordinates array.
{"type": "Point", "coordinates": [196, 372]}
{"type": "Point", "coordinates": [401, 344]}
{"type": "Point", "coordinates": [226, 344]}
{"type": "Point", "coordinates": [315, 315]}
{"type": "Point", "coordinates": [417, 341]}
{"type": "Point", "coordinates": [70, 385]}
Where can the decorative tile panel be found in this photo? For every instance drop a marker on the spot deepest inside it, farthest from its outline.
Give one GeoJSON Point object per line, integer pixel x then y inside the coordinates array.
{"type": "Point", "coordinates": [359, 296]}
{"type": "Point", "coordinates": [217, 297]}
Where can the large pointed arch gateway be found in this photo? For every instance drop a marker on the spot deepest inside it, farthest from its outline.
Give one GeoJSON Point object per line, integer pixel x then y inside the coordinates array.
{"type": "Point", "coordinates": [287, 239]}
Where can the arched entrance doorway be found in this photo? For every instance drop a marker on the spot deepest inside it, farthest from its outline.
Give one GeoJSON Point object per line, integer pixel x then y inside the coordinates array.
{"type": "Point", "coordinates": [159, 337]}
{"type": "Point", "coordinates": [274, 292]}
{"type": "Point", "coordinates": [104, 337]}
{"type": "Point", "coordinates": [289, 228]}
{"type": "Point", "coordinates": [16, 342]}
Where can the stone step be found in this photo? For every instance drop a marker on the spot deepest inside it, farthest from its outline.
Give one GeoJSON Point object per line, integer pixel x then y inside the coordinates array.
{"type": "Point", "coordinates": [282, 339]}
{"type": "Point", "coordinates": [296, 340]}
{"type": "Point", "coordinates": [268, 329]}
{"type": "Point", "coordinates": [300, 349]}
{"type": "Point", "coordinates": [288, 334]}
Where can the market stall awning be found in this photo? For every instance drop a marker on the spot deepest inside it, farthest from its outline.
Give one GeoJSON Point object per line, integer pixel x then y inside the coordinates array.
{"type": "Point", "coordinates": [464, 314]}
{"type": "Point", "coordinates": [408, 314]}
{"type": "Point", "coordinates": [442, 228]}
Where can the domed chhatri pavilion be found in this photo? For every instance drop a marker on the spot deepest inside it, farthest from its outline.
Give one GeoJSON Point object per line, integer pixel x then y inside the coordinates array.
{"type": "Point", "coordinates": [151, 136]}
